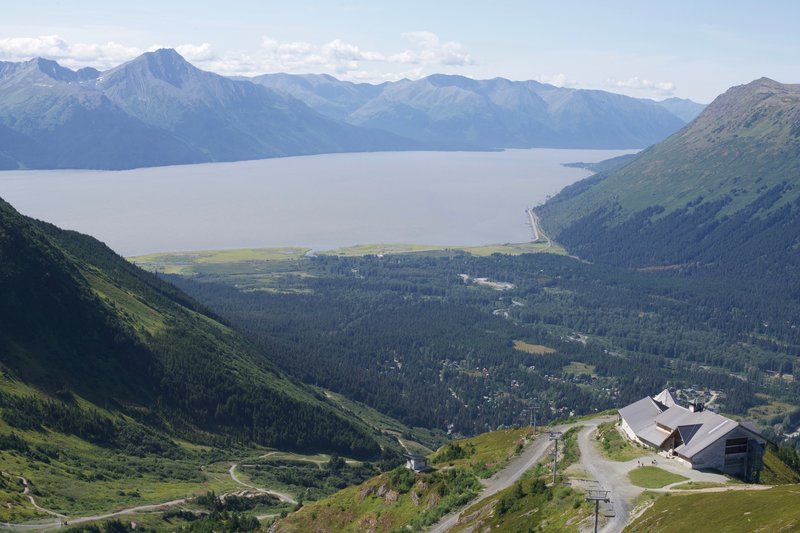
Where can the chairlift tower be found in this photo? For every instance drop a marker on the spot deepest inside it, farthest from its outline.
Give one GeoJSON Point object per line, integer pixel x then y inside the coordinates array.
{"type": "Point", "coordinates": [597, 496]}
{"type": "Point", "coordinates": [554, 436]}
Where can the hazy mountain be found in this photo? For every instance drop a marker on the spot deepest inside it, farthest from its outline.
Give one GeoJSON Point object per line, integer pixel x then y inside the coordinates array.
{"type": "Point", "coordinates": [682, 108]}
{"type": "Point", "coordinates": [723, 191]}
{"type": "Point", "coordinates": [156, 110]}
{"type": "Point", "coordinates": [322, 92]}
{"type": "Point", "coordinates": [53, 117]}
{"type": "Point", "coordinates": [78, 321]}
{"type": "Point", "coordinates": [458, 112]}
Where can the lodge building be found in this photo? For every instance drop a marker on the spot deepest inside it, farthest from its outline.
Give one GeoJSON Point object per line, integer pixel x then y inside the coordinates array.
{"type": "Point", "coordinates": [701, 439]}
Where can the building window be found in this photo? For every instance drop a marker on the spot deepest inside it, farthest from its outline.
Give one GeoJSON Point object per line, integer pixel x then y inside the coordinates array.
{"type": "Point", "coordinates": [733, 446]}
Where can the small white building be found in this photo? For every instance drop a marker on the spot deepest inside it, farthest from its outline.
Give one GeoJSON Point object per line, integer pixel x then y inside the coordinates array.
{"type": "Point", "coordinates": [701, 439]}
{"type": "Point", "coordinates": [417, 463]}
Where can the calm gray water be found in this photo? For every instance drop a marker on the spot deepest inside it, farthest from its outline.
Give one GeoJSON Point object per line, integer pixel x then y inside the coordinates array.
{"type": "Point", "coordinates": [325, 201]}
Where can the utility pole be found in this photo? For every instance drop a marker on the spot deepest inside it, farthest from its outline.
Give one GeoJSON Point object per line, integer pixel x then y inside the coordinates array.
{"type": "Point", "coordinates": [597, 496]}
{"type": "Point", "coordinates": [554, 436]}
{"type": "Point", "coordinates": [532, 413]}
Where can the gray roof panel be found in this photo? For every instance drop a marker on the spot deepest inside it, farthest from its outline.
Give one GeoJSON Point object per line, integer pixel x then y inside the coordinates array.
{"type": "Point", "coordinates": [639, 415]}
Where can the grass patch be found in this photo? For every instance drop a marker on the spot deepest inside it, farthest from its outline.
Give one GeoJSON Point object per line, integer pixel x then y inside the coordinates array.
{"type": "Point", "coordinates": [534, 349]}
{"type": "Point", "coordinates": [486, 453]}
{"type": "Point", "coordinates": [577, 369]}
{"type": "Point", "coordinates": [742, 511]}
{"type": "Point", "coordinates": [615, 446]}
{"type": "Point", "coordinates": [652, 477]}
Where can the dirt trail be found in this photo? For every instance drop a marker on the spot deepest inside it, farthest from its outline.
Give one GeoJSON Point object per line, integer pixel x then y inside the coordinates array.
{"type": "Point", "coordinates": [282, 496]}
{"type": "Point", "coordinates": [64, 520]}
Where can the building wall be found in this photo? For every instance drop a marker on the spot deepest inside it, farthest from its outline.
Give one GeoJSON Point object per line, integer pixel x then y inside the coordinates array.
{"type": "Point", "coordinates": [628, 431]}
{"type": "Point", "coordinates": [714, 455]}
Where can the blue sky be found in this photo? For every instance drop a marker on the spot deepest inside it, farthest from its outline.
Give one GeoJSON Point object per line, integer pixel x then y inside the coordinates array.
{"type": "Point", "coordinates": [678, 48]}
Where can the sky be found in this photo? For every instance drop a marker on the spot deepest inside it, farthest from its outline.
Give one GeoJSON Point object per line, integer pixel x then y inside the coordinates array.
{"type": "Point", "coordinates": [689, 49]}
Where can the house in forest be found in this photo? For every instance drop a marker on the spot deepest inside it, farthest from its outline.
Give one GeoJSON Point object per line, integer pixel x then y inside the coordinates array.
{"type": "Point", "coordinates": [415, 462]}
{"type": "Point", "coordinates": [701, 439]}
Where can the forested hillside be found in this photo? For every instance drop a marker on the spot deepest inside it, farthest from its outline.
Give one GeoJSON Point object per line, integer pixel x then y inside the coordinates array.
{"type": "Point", "coordinates": [721, 195]}
{"type": "Point", "coordinates": [86, 329]}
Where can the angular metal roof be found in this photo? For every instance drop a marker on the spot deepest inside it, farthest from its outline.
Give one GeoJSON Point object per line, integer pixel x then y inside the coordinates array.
{"type": "Point", "coordinates": [653, 421]}
{"type": "Point", "coordinates": [639, 415]}
{"type": "Point", "coordinates": [665, 398]}
{"type": "Point", "coordinates": [712, 428]}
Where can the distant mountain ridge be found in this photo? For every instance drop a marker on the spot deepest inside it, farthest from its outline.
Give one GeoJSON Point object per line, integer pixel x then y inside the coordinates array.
{"type": "Point", "coordinates": [723, 192]}
{"type": "Point", "coordinates": [456, 112]}
{"type": "Point", "coordinates": [683, 108]}
{"type": "Point", "coordinates": [158, 109]}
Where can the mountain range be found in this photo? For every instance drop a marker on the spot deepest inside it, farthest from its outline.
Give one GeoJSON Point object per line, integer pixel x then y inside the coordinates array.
{"type": "Point", "coordinates": [455, 112]}
{"type": "Point", "coordinates": [158, 109]}
{"type": "Point", "coordinates": [722, 193]}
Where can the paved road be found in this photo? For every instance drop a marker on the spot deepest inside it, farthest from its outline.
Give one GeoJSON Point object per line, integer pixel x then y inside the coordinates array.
{"type": "Point", "coordinates": [538, 234]}
{"type": "Point", "coordinates": [608, 477]}
{"type": "Point", "coordinates": [613, 475]}
{"type": "Point", "coordinates": [506, 477]}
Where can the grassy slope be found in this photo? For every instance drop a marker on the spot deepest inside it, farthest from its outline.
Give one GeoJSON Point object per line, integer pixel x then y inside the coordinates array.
{"type": "Point", "coordinates": [522, 507]}
{"type": "Point", "coordinates": [381, 504]}
{"type": "Point", "coordinates": [83, 335]}
{"type": "Point", "coordinates": [367, 505]}
{"type": "Point", "coordinates": [776, 509]}
{"type": "Point", "coordinates": [776, 472]}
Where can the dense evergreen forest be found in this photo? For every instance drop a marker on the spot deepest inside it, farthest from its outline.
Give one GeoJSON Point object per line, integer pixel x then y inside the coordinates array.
{"type": "Point", "coordinates": [407, 335]}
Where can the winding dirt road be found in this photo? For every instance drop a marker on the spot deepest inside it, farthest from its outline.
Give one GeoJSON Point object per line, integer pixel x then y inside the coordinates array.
{"type": "Point", "coordinates": [282, 496]}
{"type": "Point", "coordinates": [64, 520]}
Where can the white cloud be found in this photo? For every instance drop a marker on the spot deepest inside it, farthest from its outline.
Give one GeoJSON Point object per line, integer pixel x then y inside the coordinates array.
{"type": "Point", "coordinates": [559, 80]}
{"type": "Point", "coordinates": [72, 55]}
{"type": "Point", "coordinates": [661, 88]}
{"type": "Point", "coordinates": [429, 50]}
{"type": "Point", "coordinates": [192, 52]}
{"type": "Point", "coordinates": [425, 52]}
{"type": "Point", "coordinates": [344, 58]}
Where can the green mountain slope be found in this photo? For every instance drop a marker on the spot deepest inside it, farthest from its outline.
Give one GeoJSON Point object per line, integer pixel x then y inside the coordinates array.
{"type": "Point", "coordinates": [722, 191]}
{"type": "Point", "coordinates": [88, 331]}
